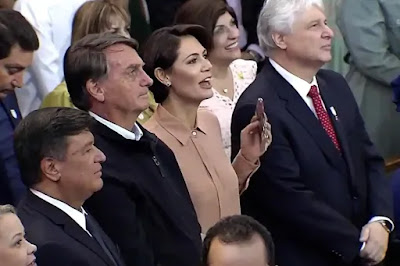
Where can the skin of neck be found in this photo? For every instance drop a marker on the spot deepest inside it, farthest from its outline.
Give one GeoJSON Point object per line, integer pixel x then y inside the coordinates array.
{"type": "Point", "coordinates": [123, 119]}
{"type": "Point", "coordinates": [53, 190]}
{"type": "Point", "coordinates": [305, 71]}
{"type": "Point", "coordinates": [220, 69]}
{"type": "Point", "coordinates": [184, 110]}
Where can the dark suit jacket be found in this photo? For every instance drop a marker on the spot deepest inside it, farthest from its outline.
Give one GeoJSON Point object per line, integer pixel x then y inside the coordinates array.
{"type": "Point", "coordinates": [11, 186]}
{"type": "Point", "coordinates": [60, 240]}
{"type": "Point", "coordinates": [313, 199]}
{"type": "Point", "coordinates": [144, 205]}
{"type": "Point", "coordinates": [250, 12]}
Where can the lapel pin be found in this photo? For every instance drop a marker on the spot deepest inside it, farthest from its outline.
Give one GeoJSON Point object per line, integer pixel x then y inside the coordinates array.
{"type": "Point", "coordinates": [333, 111]}
{"type": "Point", "coordinates": [14, 113]}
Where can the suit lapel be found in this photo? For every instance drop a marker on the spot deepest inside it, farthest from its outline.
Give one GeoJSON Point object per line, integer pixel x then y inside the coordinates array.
{"type": "Point", "coordinates": [69, 226]}
{"type": "Point", "coordinates": [11, 108]}
{"type": "Point", "coordinates": [327, 96]}
{"type": "Point", "coordinates": [302, 113]}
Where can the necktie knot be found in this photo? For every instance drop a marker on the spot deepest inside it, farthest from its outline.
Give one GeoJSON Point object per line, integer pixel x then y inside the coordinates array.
{"type": "Point", "coordinates": [313, 92]}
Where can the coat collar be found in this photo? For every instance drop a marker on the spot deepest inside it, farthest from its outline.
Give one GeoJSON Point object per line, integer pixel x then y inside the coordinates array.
{"type": "Point", "coordinates": [68, 225]}
{"type": "Point", "coordinates": [302, 113]}
{"type": "Point", "coordinates": [175, 126]}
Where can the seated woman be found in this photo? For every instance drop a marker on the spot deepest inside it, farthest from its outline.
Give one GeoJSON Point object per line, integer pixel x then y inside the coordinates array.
{"type": "Point", "coordinates": [231, 75]}
{"type": "Point", "coordinates": [176, 59]}
{"type": "Point", "coordinates": [15, 250]}
{"type": "Point", "coordinates": [95, 17]}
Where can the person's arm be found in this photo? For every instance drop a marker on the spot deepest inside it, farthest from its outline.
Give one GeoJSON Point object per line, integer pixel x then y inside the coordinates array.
{"type": "Point", "coordinates": [116, 211]}
{"type": "Point", "coordinates": [279, 186]}
{"type": "Point", "coordinates": [363, 24]}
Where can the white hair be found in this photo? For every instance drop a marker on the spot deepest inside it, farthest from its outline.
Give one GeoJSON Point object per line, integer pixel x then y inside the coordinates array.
{"type": "Point", "coordinates": [279, 16]}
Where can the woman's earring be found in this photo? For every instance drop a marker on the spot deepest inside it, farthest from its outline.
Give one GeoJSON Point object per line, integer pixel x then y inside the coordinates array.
{"type": "Point", "coordinates": [168, 84]}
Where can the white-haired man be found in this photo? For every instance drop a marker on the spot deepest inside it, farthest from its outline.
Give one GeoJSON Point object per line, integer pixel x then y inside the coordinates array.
{"type": "Point", "coordinates": [320, 189]}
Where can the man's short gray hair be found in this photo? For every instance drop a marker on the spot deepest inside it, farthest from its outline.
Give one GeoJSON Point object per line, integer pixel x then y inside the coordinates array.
{"type": "Point", "coordinates": [279, 16]}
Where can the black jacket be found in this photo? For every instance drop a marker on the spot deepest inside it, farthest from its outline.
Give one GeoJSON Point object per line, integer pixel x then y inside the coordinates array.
{"type": "Point", "coordinates": [144, 205]}
{"type": "Point", "coordinates": [313, 199]}
{"type": "Point", "coordinates": [60, 240]}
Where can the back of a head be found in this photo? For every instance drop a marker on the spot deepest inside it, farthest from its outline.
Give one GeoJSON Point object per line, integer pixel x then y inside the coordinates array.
{"type": "Point", "coordinates": [43, 133]}
{"type": "Point", "coordinates": [279, 16]}
{"type": "Point", "coordinates": [97, 17]}
{"type": "Point", "coordinates": [238, 229]}
{"type": "Point", "coordinates": [16, 30]}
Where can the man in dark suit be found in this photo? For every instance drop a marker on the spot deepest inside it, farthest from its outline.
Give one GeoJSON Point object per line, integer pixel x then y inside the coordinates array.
{"type": "Point", "coordinates": [62, 168]}
{"type": "Point", "coordinates": [144, 206]}
{"type": "Point", "coordinates": [18, 41]}
{"type": "Point", "coordinates": [321, 188]}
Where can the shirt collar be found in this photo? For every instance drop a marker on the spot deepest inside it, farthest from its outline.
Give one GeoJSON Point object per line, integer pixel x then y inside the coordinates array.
{"type": "Point", "coordinates": [175, 126]}
{"type": "Point", "coordinates": [300, 85]}
{"type": "Point", "coordinates": [135, 134]}
{"type": "Point", "coordinates": [76, 215]}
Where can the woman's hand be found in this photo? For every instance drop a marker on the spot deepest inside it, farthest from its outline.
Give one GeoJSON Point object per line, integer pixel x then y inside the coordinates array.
{"type": "Point", "coordinates": [255, 138]}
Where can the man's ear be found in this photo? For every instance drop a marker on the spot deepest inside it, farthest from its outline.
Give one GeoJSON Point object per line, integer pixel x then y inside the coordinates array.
{"type": "Point", "coordinates": [95, 90]}
{"type": "Point", "coordinates": [51, 169]}
{"type": "Point", "coordinates": [162, 76]}
{"type": "Point", "coordinates": [279, 40]}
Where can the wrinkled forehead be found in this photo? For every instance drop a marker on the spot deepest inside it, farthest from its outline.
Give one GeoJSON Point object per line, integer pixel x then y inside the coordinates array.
{"type": "Point", "coordinates": [122, 55]}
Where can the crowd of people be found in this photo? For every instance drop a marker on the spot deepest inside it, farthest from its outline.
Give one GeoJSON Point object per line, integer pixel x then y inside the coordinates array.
{"type": "Point", "coordinates": [197, 132]}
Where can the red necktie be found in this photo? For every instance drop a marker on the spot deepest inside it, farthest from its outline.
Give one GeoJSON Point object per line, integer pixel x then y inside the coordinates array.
{"type": "Point", "coordinates": [323, 115]}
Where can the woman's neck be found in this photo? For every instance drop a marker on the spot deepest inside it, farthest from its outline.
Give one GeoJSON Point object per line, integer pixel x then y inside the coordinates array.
{"type": "Point", "coordinates": [184, 111]}
{"type": "Point", "coordinates": [220, 70]}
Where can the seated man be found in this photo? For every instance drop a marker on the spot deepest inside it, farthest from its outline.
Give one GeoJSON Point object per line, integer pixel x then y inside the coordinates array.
{"type": "Point", "coordinates": [238, 240]}
{"type": "Point", "coordinates": [18, 41]}
{"type": "Point", "coordinates": [144, 206]}
{"type": "Point", "coordinates": [62, 168]}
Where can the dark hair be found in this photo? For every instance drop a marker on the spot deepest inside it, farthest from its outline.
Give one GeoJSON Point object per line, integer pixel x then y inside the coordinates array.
{"type": "Point", "coordinates": [204, 13]}
{"type": "Point", "coordinates": [15, 29]}
{"type": "Point", "coordinates": [161, 50]}
{"type": "Point", "coordinates": [238, 229]}
{"type": "Point", "coordinates": [86, 60]}
{"type": "Point", "coordinates": [43, 133]}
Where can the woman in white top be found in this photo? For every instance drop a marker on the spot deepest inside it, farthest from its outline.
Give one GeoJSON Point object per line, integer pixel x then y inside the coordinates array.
{"type": "Point", "coordinates": [231, 75]}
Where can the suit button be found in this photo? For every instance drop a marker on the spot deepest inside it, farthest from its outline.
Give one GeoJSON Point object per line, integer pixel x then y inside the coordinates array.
{"type": "Point", "coordinates": [355, 198]}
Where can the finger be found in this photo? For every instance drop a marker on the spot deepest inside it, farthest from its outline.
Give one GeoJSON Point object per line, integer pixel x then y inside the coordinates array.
{"type": "Point", "coordinates": [254, 118]}
{"type": "Point", "coordinates": [364, 234]}
{"type": "Point", "coordinates": [252, 127]}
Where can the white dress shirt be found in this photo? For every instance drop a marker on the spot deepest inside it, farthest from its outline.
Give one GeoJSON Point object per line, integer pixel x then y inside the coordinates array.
{"type": "Point", "coordinates": [77, 216]}
{"type": "Point", "coordinates": [52, 21]}
{"type": "Point", "coordinates": [303, 87]}
{"type": "Point", "coordinates": [135, 134]}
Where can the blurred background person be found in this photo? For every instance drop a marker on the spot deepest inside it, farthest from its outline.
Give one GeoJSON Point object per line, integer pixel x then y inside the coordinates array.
{"type": "Point", "coordinates": [96, 17]}
{"type": "Point", "coordinates": [7, 4]}
{"type": "Point", "coordinates": [371, 30]}
{"type": "Point", "coordinates": [238, 240]}
{"type": "Point", "coordinates": [52, 21]}
{"type": "Point", "coordinates": [182, 80]}
{"type": "Point", "coordinates": [18, 41]}
{"type": "Point", "coordinates": [247, 12]}
{"type": "Point", "coordinates": [62, 168]}
{"type": "Point", "coordinates": [230, 74]}
{"type": "Point", "coordinates": [15, 250]}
